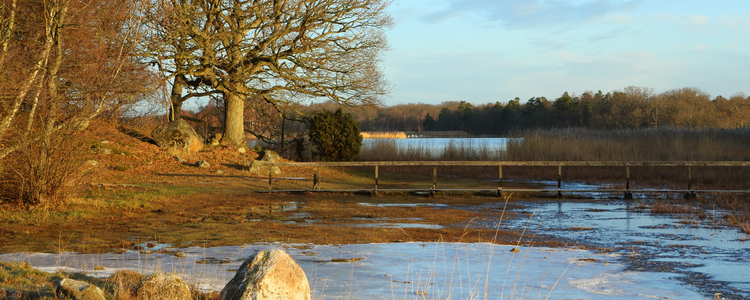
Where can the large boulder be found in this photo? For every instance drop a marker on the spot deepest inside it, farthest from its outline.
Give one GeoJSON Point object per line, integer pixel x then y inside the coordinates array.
{"type": "Point", "coordinates": [125, 283]}
{"type": "Point", "coordinates": [268, 275]}
{"type": "Point", "coordinates": [177, 135]}
{"type": "Point", "coordinates": [268, 156]}
{"type": "Point", "coordinates": [163, 287]}
{"type": "Point", "coordinates": [78, 290]}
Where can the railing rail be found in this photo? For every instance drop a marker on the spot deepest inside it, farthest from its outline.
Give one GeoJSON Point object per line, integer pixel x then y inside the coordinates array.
{"type": "Point", "coordinates": [690, 192]}
{"type": "Point", "coordinates": [513, 163]}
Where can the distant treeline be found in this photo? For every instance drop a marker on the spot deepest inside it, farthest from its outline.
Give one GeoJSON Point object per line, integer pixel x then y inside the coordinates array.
{"type": "Point", "coordinates": [632, 107]}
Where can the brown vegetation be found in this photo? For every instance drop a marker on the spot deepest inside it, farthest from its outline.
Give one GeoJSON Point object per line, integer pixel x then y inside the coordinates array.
{"type": "Point", "coordinates": [593, 145]}
{"type": "Point", "coordinates": [139, 192]}
{"type": "Point", "coordinates": [383, 135]}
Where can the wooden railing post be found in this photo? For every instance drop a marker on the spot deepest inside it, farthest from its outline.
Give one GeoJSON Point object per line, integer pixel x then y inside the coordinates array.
{"type": "Point", "coordinates": [690, 194]}
{"type": "Point", "coordinates": [628, 194]}
{"type": "Point", "coordinates": [559, 181]}
{"type": "Point", "coordinates": [316, 180]}
{"type": "Point", "coordinates": [375, 191]}
{"type": "Point", "coordinates": [270, 185]}
{"type": "Point", "coordinates": [500, 181]}
{"type": "Point", "coordinates": [434, 181]}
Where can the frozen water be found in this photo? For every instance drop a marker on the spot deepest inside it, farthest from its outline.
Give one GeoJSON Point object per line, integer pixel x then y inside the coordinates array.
{"type": "Point", "coordinates": [402, 271]}
{"type": "Point", "coordinates": [707, 257]}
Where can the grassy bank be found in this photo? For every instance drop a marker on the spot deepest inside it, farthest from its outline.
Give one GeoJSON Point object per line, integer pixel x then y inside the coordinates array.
{"type": "Point", "coordinates": [21, 281]}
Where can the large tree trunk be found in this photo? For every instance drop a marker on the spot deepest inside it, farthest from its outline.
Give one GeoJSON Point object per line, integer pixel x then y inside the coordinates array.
{"type": "Point", "coordinates": [234, 122]}
{"type": "Point", "coordinates": [175, 107]}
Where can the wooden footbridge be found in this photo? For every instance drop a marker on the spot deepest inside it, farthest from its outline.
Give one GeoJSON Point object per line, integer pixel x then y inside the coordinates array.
{"type": "Point", "coordinates": [627, 192]}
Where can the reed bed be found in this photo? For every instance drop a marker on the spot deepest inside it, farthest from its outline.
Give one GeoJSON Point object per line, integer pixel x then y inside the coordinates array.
{"type": "Point", "coordinates": [455, 150]}
{"type": "Point", "coordinates": [383, 134]}
{"type": "Point", "coordinates": [664, 144]}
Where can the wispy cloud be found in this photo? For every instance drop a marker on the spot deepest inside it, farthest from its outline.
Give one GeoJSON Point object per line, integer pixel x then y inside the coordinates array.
{"type": "Point", "coordinates": [533, 13]}
{"type": "Point", "coordinates": [736, 23]}
{"type": "Point", "coordinates": [695, 23]}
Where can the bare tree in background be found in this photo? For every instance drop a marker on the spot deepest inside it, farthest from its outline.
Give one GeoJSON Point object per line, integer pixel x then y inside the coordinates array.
{"type": "Point", "coordinates": [270, 50]}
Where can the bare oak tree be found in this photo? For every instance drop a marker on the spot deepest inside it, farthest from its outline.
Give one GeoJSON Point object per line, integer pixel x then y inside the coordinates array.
{"type": "Point", "coordinates": [275, 51]}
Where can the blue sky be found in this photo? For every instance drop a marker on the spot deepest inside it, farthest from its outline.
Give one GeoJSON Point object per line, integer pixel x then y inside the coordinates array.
{"type": "Point", "coordinates": [484, 51]}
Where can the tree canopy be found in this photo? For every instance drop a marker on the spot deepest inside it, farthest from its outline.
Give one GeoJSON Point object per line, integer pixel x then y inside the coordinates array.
{"type": "Point", "coordinates": [273, 51]}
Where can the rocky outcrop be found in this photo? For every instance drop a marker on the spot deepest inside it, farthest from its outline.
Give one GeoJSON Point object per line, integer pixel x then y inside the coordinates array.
{"type": "Point", "coordinates": [268, 156]}
{"type": "Point", "coordinates": [178, 135]}
{"type": "Point", "coordinates": [268, 275]}
{"type": "Point", "coordinates": [163, 287]}
{"type": "Point", "coordinates": [78, 290]}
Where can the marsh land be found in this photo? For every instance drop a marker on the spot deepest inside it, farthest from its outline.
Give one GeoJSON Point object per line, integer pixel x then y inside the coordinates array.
{"type": "Point", "coordinates": [144, 202]}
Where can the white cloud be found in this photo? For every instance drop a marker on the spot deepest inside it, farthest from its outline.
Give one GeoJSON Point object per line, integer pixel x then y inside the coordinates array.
{"type": "Point", "coordinates": [734, 47]}
{"type": "Point", "coordinates": [696, 23]}
{"type": "Point", "coordinates": [533, 13]}
{"type": "Point", "coordinates": [736, 23]}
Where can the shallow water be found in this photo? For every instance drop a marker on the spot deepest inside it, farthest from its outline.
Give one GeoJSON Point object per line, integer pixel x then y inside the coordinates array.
{"type": "Point", "coordinates": [706, 257]}
{"type": "Point", "coordinates": [652, 256]}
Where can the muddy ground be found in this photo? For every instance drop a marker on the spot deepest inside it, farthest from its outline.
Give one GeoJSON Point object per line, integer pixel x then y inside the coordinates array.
{"type": "Point", "coordinates": [138, 193]}
{"type": "Point", "coordinates": [244, 217]}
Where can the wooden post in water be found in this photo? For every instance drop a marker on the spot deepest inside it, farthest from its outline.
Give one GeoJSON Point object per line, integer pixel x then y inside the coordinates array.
{"type": "Point", "coordinates": [628, 194]}
{"type": "Point", "coordinates": [690, 194]}
{"type": "Point", "coordinates": [375, 191]}
{"type": "Point", "coordinates": [559, 181]}
{"type": "Point", "coordinates": [500, 181]}
{"type": "Point", "coordinates": [434, 181]}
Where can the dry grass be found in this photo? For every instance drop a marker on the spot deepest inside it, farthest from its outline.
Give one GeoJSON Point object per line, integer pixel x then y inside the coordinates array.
{"type": "Point", "coordinates": [383, 135]}
{"type": "Point", "coordinates": [735, 205]}
{"type": "Point", "coordinates": [664, 144]}
{"type": "Point", "coordinates": [455, 150]}
{"type": "Point", "coordinates": [733, 209]}
{"type": "Point", "coordinates": [592, 145]}
{"type": "Point", "coordinates": [676, 208]}
{"type": "Point", "coordinates": [21, 281]}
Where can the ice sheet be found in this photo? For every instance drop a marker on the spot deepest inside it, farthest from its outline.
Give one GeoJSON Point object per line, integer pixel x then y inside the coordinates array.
{"type": "Point", "coordinates": [401, 271]}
